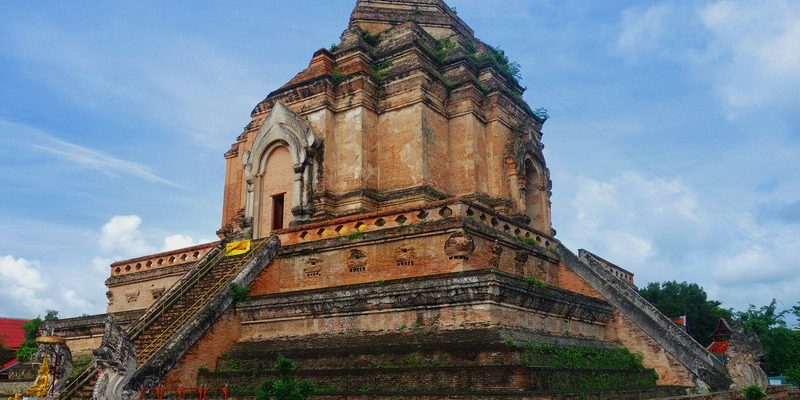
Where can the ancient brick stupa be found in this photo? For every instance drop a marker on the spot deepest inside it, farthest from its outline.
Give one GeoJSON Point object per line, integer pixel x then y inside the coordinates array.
{"type": "Point", "coordinates": [398, 206]}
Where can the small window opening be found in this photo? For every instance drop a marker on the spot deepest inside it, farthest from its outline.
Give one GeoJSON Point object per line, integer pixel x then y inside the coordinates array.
{"type": "Point", "coordinates": [277, 211]}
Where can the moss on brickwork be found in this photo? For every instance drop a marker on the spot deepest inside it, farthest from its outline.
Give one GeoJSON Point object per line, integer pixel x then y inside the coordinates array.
{"type": "Point", "coordinates": [536, 367]}
{"type": "Point", "coordinates": [552, 356]}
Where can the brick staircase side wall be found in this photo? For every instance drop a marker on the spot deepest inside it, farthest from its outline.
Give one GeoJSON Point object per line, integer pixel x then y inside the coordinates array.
{"type": "Point", "coordinates": [659, 328]}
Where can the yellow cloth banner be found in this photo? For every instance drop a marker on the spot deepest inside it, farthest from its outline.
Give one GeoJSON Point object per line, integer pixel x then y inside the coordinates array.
{"type": "Point", "coordinates": [237, 248]}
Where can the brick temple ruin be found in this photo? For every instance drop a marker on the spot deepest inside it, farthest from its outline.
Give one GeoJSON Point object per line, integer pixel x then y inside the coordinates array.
{"type": "Point", "coordinates": [398, 203]}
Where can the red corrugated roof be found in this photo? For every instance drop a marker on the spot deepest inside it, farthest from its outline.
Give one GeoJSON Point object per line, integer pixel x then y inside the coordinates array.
{"type": "Point", "coordinates": [9, 364]}
{"type": "Point", "coordinates": [11, 332]}
{"type": "Point", "coordinates": [718, 347]}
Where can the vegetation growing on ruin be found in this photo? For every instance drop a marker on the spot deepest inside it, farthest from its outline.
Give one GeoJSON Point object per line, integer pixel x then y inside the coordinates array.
{"type": "Point", "coordinates": [536, 282]}
{"type": "Point", "coordinates": [79, 363]}
{"type": "Point", "coordinates": [442, 48]}
{"type": "Point", "coordinates": [368, 37]}
{"type": "Point", "coordinates": [495, 57]}
{"type": "Point", "coordinates": [356, 235]}
{"type": "Point", "coordinates": [238, 292]}
{"type": "Point", "coordinates": [378, 71]}
{"type": "Point", "coordinates": [286, 387]}
{"type": "Point", "coordinates": [336, 78]}
{"type": "Point", "coordinates": [529, 241]}
{"type": "Point", "coordinates": [552, 356]}
{"type": "Point", "coordinates": [754, 392]}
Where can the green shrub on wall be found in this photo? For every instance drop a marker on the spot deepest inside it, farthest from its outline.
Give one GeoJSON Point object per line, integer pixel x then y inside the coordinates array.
{"type": "Point", "coordinates": [79, 363]}
{"type": "Point", "coordinates": [286, 387]}
{"type": "Point", "coordinates": [238, 292]}
{"type": "Point", "coordinates": [754, 392]}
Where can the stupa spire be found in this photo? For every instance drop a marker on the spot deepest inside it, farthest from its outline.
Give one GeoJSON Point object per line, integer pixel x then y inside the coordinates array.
{"type": "Point", "coordinates": [435, 16]}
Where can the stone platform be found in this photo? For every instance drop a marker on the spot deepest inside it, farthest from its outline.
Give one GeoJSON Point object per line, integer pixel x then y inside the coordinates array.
{"type": "Point", "coordinates": [415, 362]}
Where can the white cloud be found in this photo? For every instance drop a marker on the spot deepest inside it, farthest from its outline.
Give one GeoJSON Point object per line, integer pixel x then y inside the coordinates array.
{"type": "Point", "coordinates": [121, 236]}
{"type": "Point", "coordinates": [28, 288]}
{"type": "Point", "coordinates": [22, 286]}
{"type": "Point", "coordinates": [81, 156]}
{"type": "Point", "coordinates": [749, 52]}
{"type": "Point", "coordinates": [643, 30]}
{"type": "Point", "coordinates": [757, 48]}
{"type": "Point", "coordinates": [659, 229]}
{"type": "Point", "coordinates": [21, 273]}
{"type": "Point", "coordinates": [177, 241]}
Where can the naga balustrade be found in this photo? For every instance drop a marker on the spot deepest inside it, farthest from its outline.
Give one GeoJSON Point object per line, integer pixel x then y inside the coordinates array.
{"type": "Point", "coordinates": [153, 313]}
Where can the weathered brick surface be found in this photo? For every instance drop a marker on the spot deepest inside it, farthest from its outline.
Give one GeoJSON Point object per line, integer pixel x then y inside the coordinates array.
{"type": "Point", "coordinates": [481, 298]}
{"type": "Point", "coordinates": [390, 121]}
{"type": "Point", "coordinates": [569, 280]}
{"type": "Point", "coordinates": [674, 340]}
{"type": "Point", "coordinates": [624, 332]}
{"type": "Point", "coordinates": [205, 352]}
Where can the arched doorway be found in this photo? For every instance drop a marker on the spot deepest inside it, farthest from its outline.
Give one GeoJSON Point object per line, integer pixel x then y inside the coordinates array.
{"type": "Point", "coordinates": [275, 181]}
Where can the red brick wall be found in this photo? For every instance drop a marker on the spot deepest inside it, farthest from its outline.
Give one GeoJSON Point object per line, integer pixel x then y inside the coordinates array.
{"type": "Point", "coordinates": [224, 333]}
{"type": "Point", "coordinates": [569, 280]}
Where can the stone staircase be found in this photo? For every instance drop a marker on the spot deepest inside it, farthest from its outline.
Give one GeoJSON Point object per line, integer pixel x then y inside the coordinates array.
{"type": "Point", "coordinates": [172, 324]}
{"type": "Point", "coordinates": [474, 363]}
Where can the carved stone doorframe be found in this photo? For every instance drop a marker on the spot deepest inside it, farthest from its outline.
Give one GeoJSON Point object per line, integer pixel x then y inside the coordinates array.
{"type": "Point", "coordinates": [283, 127]}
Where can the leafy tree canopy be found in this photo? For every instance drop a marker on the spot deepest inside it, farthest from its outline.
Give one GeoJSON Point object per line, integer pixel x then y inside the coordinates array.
{"type": "Point", "coordinates": [781, 344]}
{"type": "Point", "coordinates": [675, 299]}
{"type": "Point", "coordinates": [31, 328]}
{"type": "Point", "coordinates": [763, 318]}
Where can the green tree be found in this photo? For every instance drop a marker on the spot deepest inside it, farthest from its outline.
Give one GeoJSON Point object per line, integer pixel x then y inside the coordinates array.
{"type": "Point", "coordinates": [763, 318]}
{"type": "Point", "coordinates": [31, 328]}
{"type": "Point", "coordinates": [794, 375]}
{"type": "Point", "coordinates": [675, 299]}
{"type": "Point", "coordinates": [286, 387]}
{"type": "Point", "coordinates": [781, 344]}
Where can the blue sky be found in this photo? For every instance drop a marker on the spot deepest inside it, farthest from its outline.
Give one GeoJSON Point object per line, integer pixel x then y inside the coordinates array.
{"type": "Point", "coordinates": [673, 141]}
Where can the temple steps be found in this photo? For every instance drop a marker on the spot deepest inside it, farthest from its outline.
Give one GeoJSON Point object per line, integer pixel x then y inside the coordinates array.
{"type": "Point", "coordinates": [182, 304]}
{"type": "Point", "coordinates": [159, 331]}
{"type": "Point", "coordinates": [467, 363]}
{"type": "Point", "coordinates": [483, 379]}
{"type": "Point", "coordinates": [637, 394]}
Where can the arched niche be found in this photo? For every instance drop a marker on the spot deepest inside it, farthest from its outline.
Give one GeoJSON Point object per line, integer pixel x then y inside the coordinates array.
{"type": "Point", "coordinates": [535, 195]}
{"type": "Point", "coordinates": [281, 160]}
{"type": "Point", "coordinates": [529, 180]}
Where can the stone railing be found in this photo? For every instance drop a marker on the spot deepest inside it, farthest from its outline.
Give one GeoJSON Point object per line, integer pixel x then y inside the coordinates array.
{"type": "Point", "coordinates": [672, 338]}
{"type": "Point", "coordinates": [160, 260]}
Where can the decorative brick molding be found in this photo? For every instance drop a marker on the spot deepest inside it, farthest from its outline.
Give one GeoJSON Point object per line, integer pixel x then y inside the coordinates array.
{"type": "Point", "coordinates": [161, 260]}
{"type": "Point", "coordinates": [448, 290]}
